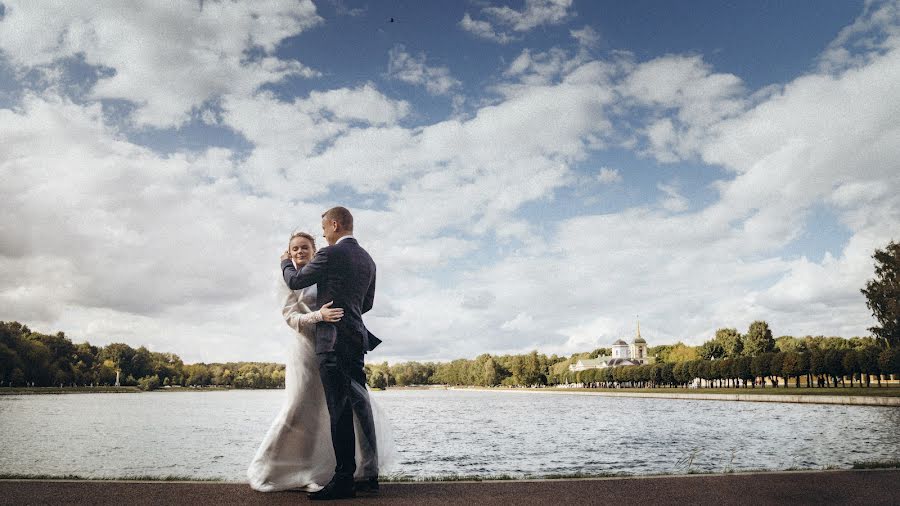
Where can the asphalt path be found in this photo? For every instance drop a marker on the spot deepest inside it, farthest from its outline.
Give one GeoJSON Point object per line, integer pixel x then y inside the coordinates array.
{"type": "Point", "coordinates": [864, 487]}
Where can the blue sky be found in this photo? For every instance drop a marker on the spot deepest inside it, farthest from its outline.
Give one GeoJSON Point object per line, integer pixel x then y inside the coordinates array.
{"type": "Point", "coordinates": [527, 175]}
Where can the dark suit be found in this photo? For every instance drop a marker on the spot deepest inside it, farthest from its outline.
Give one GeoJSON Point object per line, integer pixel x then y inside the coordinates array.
{"type": "Point", "coordinates": [343, 273]}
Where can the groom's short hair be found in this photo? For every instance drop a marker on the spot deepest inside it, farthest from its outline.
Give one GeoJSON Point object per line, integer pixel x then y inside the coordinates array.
{"type": "Point", "coordinates": [341, 215]}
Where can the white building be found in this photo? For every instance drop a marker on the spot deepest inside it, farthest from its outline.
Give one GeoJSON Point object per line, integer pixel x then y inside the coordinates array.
{"type": "Point", "coordinates": [622, 354]}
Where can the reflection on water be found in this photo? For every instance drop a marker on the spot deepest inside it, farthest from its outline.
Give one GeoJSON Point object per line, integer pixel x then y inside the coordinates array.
{"type": "Point", "coordinates": [437, 432]}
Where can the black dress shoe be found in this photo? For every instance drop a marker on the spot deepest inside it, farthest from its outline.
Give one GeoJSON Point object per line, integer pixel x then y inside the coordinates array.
{"type": "Point", "coordinates": [337, 488]}
{"type": "Point", "coordinates": [368, 486]}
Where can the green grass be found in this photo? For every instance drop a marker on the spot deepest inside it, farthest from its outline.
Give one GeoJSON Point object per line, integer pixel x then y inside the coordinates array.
{"type": "Point", "coordinates": [874, 464]}
{"type": "Point", "coordinates": [402, 478]}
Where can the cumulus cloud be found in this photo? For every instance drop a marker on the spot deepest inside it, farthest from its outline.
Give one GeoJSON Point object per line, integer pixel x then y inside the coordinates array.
{"type": "Point", "coordinates": [586, 36]}
{"type": "Point", "coordinates": [286, 135]}
{"type": "Point", "coordinates": [166, 58]}
{"type": "Point", "coordinates": [534, 13]}
{"type": "Point", "coordinates": [412, 69]}
{"type": "Point", "coordinates": [537, 68]}
{"type": "Point", "coordinates": [483, 29]}
{"type": "Point", "coordinates": [609, 176]}
{"type": "Point", "coordinates": [179, 251]}
{"type": "Point", "coordinates": [132, 205]}
{"type": "Point", "coordinates": [674, 201]}
{"type": "Point", "coordinates": [128, 235]}
{"type": "Point", "coordinates": [688, 99]}
{"type": "Point", "coordinates": [818, 140]}
{"type": "Point", "coordinates": [877, 28]}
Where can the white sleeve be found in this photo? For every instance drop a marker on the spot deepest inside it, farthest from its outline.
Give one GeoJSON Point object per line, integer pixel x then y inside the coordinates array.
{"type": "Point", "coordinates": [297, 314]}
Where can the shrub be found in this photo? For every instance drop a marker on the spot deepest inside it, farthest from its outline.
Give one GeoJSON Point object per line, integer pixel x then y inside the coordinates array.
{"type": "Point", "coordinates": [148, 383]}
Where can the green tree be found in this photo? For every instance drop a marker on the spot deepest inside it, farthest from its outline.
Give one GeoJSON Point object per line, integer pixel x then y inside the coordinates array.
{"type": "Point", "coordinates": [834, 365]}
{"type": "Point", "coordinates": [759, 366]}
{"type": "Point", "coordinates": [758, 339]}
{"type": "Point", "coordinates": [148, 383]}
{"type": "Point", "coordinates": [731, 342]}
{"type": "Point", "coordinates": [883, 294]}
{"type": "Point", "coordinates": [491, 373]}
{"type": "Point", "coordinates": [850, 362]}
{"type": "Point", "coordinates": [711, 350]}
{"type": "Point", "coordinates": [743, 370]}
{"type": "Point", "coordinates": [776, 368]}
{"type": "Point", "coordinates": [680, 352]}
{"type": "Point", "coordinates": [889, 361]}
{"type": "Point", "coordinates": [790, 344]}
{"type": "Point", "coordinates": [600, 352]}
{"type": "Point", "coordinates": [868, 363]}
{"type": "Point", "coordinates": [790, 367]}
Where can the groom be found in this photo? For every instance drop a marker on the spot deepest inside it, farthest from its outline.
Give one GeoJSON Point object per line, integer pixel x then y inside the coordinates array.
{"type": "Point", "coordinates": [344, 273]}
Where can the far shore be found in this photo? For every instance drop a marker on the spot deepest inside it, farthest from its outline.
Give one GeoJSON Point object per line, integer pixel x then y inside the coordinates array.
{"type": "Point", "coordinates": [889, 396]}
{"type": "Point", "coordinates": [107, 390]}
{"type": "Point", "coordinates": [860, 396]}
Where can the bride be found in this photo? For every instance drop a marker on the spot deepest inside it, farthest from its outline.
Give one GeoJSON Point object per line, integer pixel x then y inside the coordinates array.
{"type": "Point", "coordinates": [297, 453]}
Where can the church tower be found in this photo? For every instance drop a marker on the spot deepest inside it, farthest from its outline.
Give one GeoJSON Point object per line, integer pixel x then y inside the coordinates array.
{"type": "Point", "coordinates": [639, 347]}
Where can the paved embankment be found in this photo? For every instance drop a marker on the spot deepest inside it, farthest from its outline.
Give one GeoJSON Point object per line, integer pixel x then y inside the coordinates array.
{"type": "Point", "coordinates": [850, 400]}
{"type": "Point", "coordinates": [869, 487]}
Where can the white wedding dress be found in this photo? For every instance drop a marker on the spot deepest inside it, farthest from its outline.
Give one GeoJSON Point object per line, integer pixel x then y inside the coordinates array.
{"type": "Point", "coordinates": [296, 453]}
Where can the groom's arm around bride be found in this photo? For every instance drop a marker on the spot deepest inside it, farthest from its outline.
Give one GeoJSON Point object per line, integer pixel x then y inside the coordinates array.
{"type": "Point", "coordinates": [345, 274]}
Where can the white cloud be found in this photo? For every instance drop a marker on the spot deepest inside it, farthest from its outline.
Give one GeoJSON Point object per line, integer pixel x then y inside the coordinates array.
{"type": "Point", "coordinates": [115, 234]}
{"type": "Point", "coordinates": [287, 134]}
{"type": "Point", "coordinates": [609, 176]}
{"type": "Point", "coordinates": [110, 232]}
{"type": "Point", "coordinates": [534, 14]}
{"type": "Point", "coordinates": [342, 10]}
{"type": "Point", "coordinates": [413, 70]}
{"type": "Point", "coordinates": [483, 29]}
{"type": "Point", "coordinates": [586, 36]}
{"type": "Point", "coordinates": [674, 201]}
{"type": "Point", "coordinates": [543, 67]}
{"type": "Point", "coordinates": [167, 58]}
{"type": "Point", "coordinates": [522, 321]}
{"type": "Point", "coordinates": [179, 251]}
{"type": "Point", "coordinates": [876, 29]}
{"type": "Point", "coordinates": [690, 98]}
{"type": "Point", "coordinates": [821, 140]}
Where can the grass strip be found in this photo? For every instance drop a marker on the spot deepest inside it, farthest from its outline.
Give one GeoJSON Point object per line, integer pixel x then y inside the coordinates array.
{"type": "Point", "coordinates": [874, 464]}
{"type": "Point", "coordinates": [404, 478]}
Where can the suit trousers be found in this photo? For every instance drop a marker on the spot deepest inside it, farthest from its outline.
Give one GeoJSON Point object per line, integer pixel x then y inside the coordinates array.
{"type": "Point", "coordinates": [344, 380]}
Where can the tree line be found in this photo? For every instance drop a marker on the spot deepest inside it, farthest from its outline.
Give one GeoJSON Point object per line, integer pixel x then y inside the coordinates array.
{"type": "Point", "coordinates": [728, 360]}
{"type": "Point", "coordinates": [29, 358]}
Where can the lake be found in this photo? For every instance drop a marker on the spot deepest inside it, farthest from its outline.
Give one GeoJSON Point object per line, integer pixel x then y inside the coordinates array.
{"type": "Point", "coordinates": [443, 433]}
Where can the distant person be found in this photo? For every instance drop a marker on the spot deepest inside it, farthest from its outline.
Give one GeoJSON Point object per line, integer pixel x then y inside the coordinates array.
{"type": "Point", "coordinates": [299, 451]}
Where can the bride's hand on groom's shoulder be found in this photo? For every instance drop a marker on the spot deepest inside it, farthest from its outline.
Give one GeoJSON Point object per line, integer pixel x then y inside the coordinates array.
{"type": "Point", "coordinates": [330, 314]}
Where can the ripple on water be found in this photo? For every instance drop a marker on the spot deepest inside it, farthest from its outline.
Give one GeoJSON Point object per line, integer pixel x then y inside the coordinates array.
{"type": "Point", "coordinates": [449, 433]}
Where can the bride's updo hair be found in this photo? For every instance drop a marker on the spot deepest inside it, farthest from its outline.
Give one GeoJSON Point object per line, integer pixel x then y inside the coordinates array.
{"type": "Point", "coordinates": [312, 240]}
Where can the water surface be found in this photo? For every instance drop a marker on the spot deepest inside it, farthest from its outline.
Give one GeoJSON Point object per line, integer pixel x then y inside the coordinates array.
{"type": "Point", "coordinates": [444, 432]}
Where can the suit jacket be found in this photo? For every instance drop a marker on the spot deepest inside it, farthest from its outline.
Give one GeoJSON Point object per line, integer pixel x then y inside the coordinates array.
{"type": "Point", "coordinates": [343, 273]}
